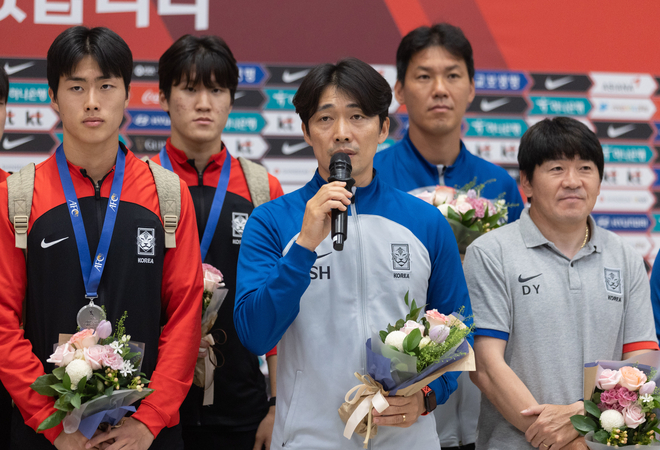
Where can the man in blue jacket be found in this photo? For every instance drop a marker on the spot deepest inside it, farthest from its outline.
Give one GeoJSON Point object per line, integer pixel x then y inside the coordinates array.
{"type": "Point", "coordinates": [322, 305]}
{"type": "Point", "coordinates": [435, 80]}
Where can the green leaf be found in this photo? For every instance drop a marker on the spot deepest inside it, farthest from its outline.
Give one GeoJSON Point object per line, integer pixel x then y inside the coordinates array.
{"type": "Point", "coordinates": [583, 424]}
{"type": "Point", "coordinates": [411, 341]}
{"type": "Point", "coordinates": [64, 403]}
{"type": "Point", "coordinates": [81, 384]}
{"type": "Point", "coordinates": [405, 298]}
{"type": "Point", "coordinates": [108, 391]}
{"type": "Point", "coordinates": [399, 324]}
{"type": "Point", "coordinates": [60, 389]}
{"type": "Point", "coordinates": [52, 421]}
{"type": "Point", "coordinates": [592, 408]}
{"type": "Point", "coordinates": [383, 335]}
{"type": "Point", "coordinates": [59, 372]}
{"type": "Point", "coordinates": [66, 381]}
{"type": "Point", "coordinates": [596, 397]}
{"type": "Point", "coordinates": [75, 401]}
{"type": "Point", "coordinates": [43, 385]}
{"type": "Point", "coordinates": [390, 346]}
{"type": "Point", "coordinates": [473, 227]}
{"type": "Point", "coordinates": [601, 436]}
{"type": "Point", "coordinates": [469, 215]}
{"type": "Point", "coordinates": [451, 214]}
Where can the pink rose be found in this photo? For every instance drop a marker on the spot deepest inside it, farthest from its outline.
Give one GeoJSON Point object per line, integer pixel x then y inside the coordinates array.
{"type": "Point", "coordinates": [647, 388]}
{"type": "Point", "coordinates": [626, 397]}
{"type": "Point", "coordinates": [84, 338]}
{"type": "Point", "coordinates": [463, 207]}
{"type": "Point", "coordinates": [103, 329]}
{"type": "Point", "coordinates": [439, 333]}
{"type": "Point", "coordinates": [212, 277]}
{"type": "Point", "coordinates": [63, 355]}
{"type": "Point", "coordinates": [632, 378]}
{"type": "Point", "coordinates": [412, 325]}
{"type": "Point", "coordinates": [426, 196]}
{"type": "Point", "coordinates": [608, 379]}
{"type": "Point", "coordinates": [94, 356]}
{"type": "Point", "coordinates": [443, 194]}
{"type": "Point", "coordinates": [112, 359]}
{"type": "Point", "coordinates": [435, 318]}
{"type": "Point", "coordinates": [633, 415]}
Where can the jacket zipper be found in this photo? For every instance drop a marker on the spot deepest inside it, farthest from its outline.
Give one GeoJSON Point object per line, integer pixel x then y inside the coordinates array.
{"type": "Point", "coordinates": [361, 289]}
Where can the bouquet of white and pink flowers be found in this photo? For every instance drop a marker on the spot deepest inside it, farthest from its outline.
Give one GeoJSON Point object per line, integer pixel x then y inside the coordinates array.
{"type": "Point", "coordinates": [97, 378]}
{"type": "Point", "coordinates": [402, 360]}
{"type": "Point", "coordinates": [469, 214]}
{"type": "Point", "coordinates": [212, 298]}
{"type": "Point", "coordinates": [621, 403]}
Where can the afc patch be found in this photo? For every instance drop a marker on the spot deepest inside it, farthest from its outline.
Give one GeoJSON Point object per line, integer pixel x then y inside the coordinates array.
{"type": "Point", "coordinates": [613, 281]}
{"type": "Point", "coordinates": [238, 221]}
{"type": "Point", "coordinates": [146, 241]}
{"type": "Point", "coordinates": [400, 257]}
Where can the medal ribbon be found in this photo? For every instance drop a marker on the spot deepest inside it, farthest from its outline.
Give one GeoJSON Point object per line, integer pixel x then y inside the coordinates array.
{"type": "Point", "coordinates": [218, 198]}
{"type": "Point", "coordinates": [91, 272]}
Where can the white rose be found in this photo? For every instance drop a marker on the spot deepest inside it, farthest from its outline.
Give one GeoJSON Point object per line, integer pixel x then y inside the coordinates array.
{"type": "Point", "coordinates": [77, 369]}
{"type": "Point", "coordinates": [395, 338]}
{"type": "Point", "coordinates": [424, 342]}
{"type": "Point", "coordinates": [79, 354]}
{"type": "Point", "coordinates": [444, 209]}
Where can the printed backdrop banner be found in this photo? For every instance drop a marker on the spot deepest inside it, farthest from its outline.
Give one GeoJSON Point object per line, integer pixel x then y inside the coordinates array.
{"type": "Point", "coordinates": [588, 60]}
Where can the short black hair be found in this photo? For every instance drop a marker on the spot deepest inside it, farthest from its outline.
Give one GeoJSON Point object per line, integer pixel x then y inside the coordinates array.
{"type": "Point", "coordinates": [105, 46]}
{"type": "Point", "coordinates": [356, 79]}
{"type": "Point", "coordinates": [4, 85]}
{"type": "Point", "coordinates": [558, 138]}
{"type": "Point", "coordinates": [444, 35]}
{"type": "Point", "coordinates": [197, 59]}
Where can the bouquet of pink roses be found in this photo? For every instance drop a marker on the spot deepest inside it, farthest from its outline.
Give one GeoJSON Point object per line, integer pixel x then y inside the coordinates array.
{"type": "Point", "coordinates": [97, 379]}
{"type": "Point", "coordinates": [621, 403]}
{"type": "Point", "coordinates": [402, 360]}
{"type": "Point", "coordinates": [212, 298]}
{"type": "Point", "coordinates": [469, 214]}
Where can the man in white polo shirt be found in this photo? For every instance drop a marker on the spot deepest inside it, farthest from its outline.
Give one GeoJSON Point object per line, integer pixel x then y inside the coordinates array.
{"type": "Point", "coordinates": [551, 292]}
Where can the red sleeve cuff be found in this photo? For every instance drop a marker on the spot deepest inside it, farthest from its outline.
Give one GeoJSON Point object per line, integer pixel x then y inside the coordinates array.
{"type": "Point", "coordinates": [642, 345]}
{"type": "Point", "coordinates": [273, 352]}
{"type": "Point", "coordinates": [52, 433]}
{"type": "Point", "coordinates": [151, 418]}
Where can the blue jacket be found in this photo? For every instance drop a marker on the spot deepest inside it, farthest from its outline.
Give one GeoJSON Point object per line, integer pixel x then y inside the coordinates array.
{"type": "Point", "coordinates": [403, 167]}
{"type": "Point", "coordinates": [322, 306]}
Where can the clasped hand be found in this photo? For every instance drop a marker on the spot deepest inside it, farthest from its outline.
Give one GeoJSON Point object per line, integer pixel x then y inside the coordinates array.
{"type": "Point", "coordinates": [553, 428]}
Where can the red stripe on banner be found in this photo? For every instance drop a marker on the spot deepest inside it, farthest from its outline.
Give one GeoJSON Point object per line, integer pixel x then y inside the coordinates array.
{"type": "Point", "coordinates": [407, 14]}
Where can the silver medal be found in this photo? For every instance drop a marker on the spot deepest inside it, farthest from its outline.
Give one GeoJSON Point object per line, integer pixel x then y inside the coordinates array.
{"type": "Point", "coordinates": [90, 316]}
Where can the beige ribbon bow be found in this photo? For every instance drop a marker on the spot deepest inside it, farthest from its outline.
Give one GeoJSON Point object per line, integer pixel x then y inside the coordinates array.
{"type": "Point", "coordinates": [207, 366]}
{"type": "Point", "coordinates": [369, 395]}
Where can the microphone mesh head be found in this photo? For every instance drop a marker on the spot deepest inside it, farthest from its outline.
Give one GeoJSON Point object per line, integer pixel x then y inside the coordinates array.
{"type": "Point", "coordinates": [340, 166]}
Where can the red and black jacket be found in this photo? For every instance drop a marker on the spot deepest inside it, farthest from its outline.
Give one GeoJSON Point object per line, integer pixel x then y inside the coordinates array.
{"type": "Point", "coordinates": [159, 289]}
{"type": "Point", "coordinates": [240, 401]}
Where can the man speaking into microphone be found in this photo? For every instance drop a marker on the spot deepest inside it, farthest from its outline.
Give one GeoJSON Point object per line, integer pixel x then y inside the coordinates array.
{"type": "Point", "coordinates": [322, 303]}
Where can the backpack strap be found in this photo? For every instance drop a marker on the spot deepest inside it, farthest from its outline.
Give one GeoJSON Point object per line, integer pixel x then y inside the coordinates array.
{"type": "Point", "coordinates": [168, 187]}
{"type": "Point", "coordinates": [20, 188]}
{"type": "Point", "coordinates": [256, 176]}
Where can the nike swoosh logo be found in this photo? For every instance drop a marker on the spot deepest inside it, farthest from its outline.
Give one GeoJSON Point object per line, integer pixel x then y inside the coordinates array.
{"type": "Point", "coordinates": [616, 132]}
{"type": "Point", "coordinates": [8, 145]}
{"type": "Point", "coordinates": [290, 77]}
{"type": "Point", "coordinates": [323, 256]}
{"type": "Point", "coordinates": [15, 69]}
{"type": "Point", "coordinates": [551, 84]}
{"type": "Point", "coordinates": [45, 244]}
{"type": "Point", "coordinates": [239, 94]}
{"type": "Point", "coordinates": [522, 280]}
{"type": "Point", "coordinates": [291, 149]}
{"type": "Point", "coordinates": [487, 106]}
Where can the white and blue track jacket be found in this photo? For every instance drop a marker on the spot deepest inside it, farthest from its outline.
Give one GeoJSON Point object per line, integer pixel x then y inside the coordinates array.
{"type": "Point", "coordinates": [321, 307]}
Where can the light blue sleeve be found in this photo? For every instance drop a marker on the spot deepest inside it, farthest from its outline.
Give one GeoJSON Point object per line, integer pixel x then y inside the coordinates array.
{"type": "Point", "coordinates": [269, 285]}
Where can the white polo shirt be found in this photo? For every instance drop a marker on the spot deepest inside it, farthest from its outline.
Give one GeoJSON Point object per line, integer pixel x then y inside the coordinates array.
{"type": "Point", "coordinates": [555, 313]}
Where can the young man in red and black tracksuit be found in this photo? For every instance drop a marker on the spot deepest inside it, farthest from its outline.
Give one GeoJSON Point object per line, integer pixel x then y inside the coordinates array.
{"type": "Point", "coordinates": [89, 71]}
{"type": "Point", "coordinates": [198, 77]}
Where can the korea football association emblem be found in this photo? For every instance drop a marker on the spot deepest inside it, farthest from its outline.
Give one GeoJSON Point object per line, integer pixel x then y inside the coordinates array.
{"type": "Point", "coordinates": [238, 221]}
{"type": "Point", "coordinates": [613, 281]}
{"type": "Point", "coordinates": [400, 257]}
{"type": "Point", "coordinates": [146, 241]}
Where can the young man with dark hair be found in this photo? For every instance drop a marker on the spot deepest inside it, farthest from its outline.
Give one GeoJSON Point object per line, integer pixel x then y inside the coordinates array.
{"type": "Point", "coordinates": [198, 80]}
{"type": "Point", "coordinates": [91, 178]}
{"type": "Point", "coordinates": [4, 96]}
{"type": "Point", "coordinates": [321, 305]}
{"type": "Point", "coordinates": [543, 287]}
{"type": "Point", "coordinates": [435, 81]}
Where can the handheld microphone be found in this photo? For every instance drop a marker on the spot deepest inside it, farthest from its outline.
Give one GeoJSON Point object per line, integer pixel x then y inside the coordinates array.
{"type": "Point", "coordinates": [340, 170]}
